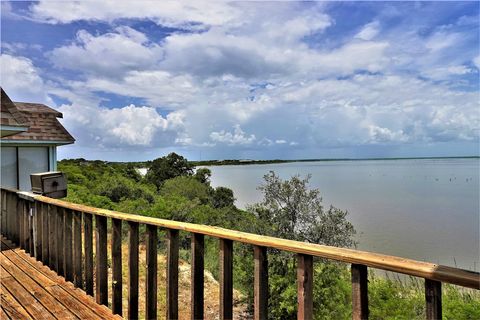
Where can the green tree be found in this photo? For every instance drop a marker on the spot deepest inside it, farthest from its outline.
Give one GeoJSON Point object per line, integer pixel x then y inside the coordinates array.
{"type": "Point", "coordinates": [222, 197]}
{"type": "Point", "coordinates": [187, 187]}
{"type": "Point", "coordinates": [291, 210]}
{"type": "Point", "coordinates": [168, 167]}
{"type": "Point", "coordinates": [203, 175]}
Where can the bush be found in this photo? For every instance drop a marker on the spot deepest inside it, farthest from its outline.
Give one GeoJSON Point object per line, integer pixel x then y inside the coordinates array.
{"type": "Point", "coordinates": [187, 187]}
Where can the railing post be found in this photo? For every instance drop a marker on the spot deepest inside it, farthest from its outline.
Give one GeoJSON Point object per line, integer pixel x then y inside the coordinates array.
{"type": "Point", "coordinates": [151, 279]}
{"type": "Point", "coordinates": [45, 234]}
{"type": "Point", "coordinates": [60, 241]}
{"type": "Point", "coordinates": [8, 201]}
{"type": "Point", "coordinates": [197, 276]}
{"type": "Point", "coordinates": [260, 283]}
{"type": "Point", "coordinates": [305, 287]}
{"type": "Point", "coordinates": [359, 292]}
{"type": "Point", "coordinates": [16, 214]}
{"type": "Point", "coordinates": [67, 249]}
{"type": "Point", "coordinates": [52, 237]}
{"type": "Point", "coordinates": [117, 266]}
{"type": "Point", "coordinates": [101, 294]}
{"type": "Point", "coordinates": [433, 299]}
{"type": "Point", "coordinates": [21, 222]}
{"type": "Point", "coordinates": [132, 270]}
{"type": "Point", "coordinates": [172, 274]}
{"type": "Point", "coordinates": [38, 230]}
{"type": "Point", "coordinates": [3, 223]}
{"type": "Point", "coordinates": [77, 249]}
{"type": "Point", "coordinates": [226, 279]}
{"type": "Point", "coordinates": [8, 210]}
{"type": "Point", "coordinates": [26, 226]}
{"type": "Point", "coordinates": [13, 218]}
{"type": "Point", "coordinates": [31, 226]}
{"type": "Point", "coordinates": [88, 244]}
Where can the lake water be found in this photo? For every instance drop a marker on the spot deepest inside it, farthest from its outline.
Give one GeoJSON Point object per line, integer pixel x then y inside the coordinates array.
{"type": "Point", "coordinates": [420, 209]}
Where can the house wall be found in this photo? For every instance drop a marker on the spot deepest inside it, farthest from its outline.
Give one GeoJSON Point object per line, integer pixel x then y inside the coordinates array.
{"type": "Point", "coordinates": [19, 161]}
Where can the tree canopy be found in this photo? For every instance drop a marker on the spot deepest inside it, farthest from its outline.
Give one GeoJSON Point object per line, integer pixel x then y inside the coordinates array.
{"type": "Point", "coordinates": [168, 167]}
{"type": "Point", "coordinates": [292, 210]}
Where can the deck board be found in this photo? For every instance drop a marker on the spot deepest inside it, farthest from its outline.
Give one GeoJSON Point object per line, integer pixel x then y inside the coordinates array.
{"type": "Point", "coordinates": [26, 299]}
{"type": "Point", "coordinates": [3, 314]}
{"type": "Point", "coordinates": [37, 291]}
{"type": "Point", "coordinates": [30, 290]}
{"type": "Point", "coordinates": [12, 308]}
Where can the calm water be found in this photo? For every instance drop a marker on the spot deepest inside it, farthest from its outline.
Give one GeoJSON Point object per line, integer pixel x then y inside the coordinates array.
{"type": "Point", "coordinates": [421, 209]}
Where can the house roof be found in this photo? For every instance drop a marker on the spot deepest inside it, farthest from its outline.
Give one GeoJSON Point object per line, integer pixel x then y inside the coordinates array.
{"type": "Point", "coordinates": [41, 120]}
{"type": "Point", "coordinates": [10, 114]}
{"type": "Point", "coordinates": [37, 108]}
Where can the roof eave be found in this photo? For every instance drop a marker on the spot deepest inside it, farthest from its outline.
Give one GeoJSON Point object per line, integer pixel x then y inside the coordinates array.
{"type": "Point", "coordinates": [10, 130]}
{"type": "Point", "coordinates": [36, 142]}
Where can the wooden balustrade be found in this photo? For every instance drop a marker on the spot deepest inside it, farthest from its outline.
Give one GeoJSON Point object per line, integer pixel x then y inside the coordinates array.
{"type": "Point", "coordinates": [53, 234]}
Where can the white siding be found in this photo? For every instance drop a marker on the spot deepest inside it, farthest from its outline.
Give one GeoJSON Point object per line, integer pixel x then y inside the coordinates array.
{"type": "Point", "coordinates": [9, 167]}
{"type": "Point", "coordinates": [31, 160]}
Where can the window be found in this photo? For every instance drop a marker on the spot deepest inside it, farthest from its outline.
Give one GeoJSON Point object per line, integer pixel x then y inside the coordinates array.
{"type": "Point", "coordinates": [31, 160]}
{"type": "Point", "coordinates": [9, 167]}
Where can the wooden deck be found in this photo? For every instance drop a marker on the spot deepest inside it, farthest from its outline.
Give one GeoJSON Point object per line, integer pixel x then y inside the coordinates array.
{"type": "Point", "coordinates": [30, 290]}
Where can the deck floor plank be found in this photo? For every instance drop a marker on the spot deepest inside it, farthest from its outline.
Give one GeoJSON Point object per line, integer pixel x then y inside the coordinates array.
{"type": "Point", "coordinates": [3, 273]}
{"type": "Point", "coordinates": [3, 314]}
{"type": "Point", "coordinates": [63, 296]}
{"type": "Point", "coordinates": [28, 302]}
{"type": "Point", "coordinates": [31, 282]}
{"type": "Point", "coordinates": [52, 303]}
{"type": "Point", "coordinates": [79, 294]}
{"type": "Point", "coordinates": [29, 269]}
{"type": "Point", "coordinates": [12, 308]}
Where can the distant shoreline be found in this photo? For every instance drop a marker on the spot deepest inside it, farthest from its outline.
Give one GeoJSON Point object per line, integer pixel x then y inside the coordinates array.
{"type": "Point", "coordinates": [239, 162]}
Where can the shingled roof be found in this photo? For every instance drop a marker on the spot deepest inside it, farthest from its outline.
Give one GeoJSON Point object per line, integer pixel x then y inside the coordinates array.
{"type": "Point", "coordinates": [10, 115]}
{"type": "Point", "coordinates": [41, 120]}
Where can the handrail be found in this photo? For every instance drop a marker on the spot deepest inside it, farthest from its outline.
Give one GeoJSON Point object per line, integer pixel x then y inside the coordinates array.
{"type": "Point", "coordinates": [411, 267]}
{"type": "Point", "coordinates": [53, 234]}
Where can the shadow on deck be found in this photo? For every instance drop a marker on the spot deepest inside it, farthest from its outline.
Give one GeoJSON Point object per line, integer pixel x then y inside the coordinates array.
{"type": "Point", "coordinates": [30, 290]}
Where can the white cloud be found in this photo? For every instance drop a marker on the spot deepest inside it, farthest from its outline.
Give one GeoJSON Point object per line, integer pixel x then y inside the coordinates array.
{"type": "Point", "coordinates": [369, 31]}
{"type": "Point", "coordinates": [444, 73]}
{"type": "Point", "coordinates": [157, 87]}
{"type": "Point", "coordinates": [21, 80]}
{"type": "Point", "coordinates": [272, 70]}
{"type": "Point", "coordinates": [353, 56]}
{"type": "Point", "coordinates": [385, 135]}
{"type": "Point", "coordinates": [132, 126]}
{"type": "Point", "coordinates": [441, 40]}
{"type": "Point", "coordinates": [110, 54]}
{"type": "Point", "coordinates": [238, 137]}
{"type": "Point", "coordinates": [476, 61]}
{"type": "Point", "coordinates": [170, 13]}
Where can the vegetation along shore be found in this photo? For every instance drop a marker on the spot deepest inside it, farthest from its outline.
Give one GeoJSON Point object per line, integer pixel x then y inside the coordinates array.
{"type": "Point", "coordinates": [173, 189]}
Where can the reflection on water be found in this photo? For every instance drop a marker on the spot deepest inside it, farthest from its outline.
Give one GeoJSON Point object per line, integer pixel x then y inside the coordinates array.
{"type": "Point", "coordinates": [420, 209]}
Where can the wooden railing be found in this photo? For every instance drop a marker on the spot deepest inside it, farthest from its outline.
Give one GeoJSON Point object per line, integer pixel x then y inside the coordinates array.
{"type": "Point", "coordinates": [51, 230]}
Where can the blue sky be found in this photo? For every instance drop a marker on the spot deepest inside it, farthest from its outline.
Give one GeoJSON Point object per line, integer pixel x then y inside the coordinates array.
{"type": "Point", "coordinates": [261, 80]}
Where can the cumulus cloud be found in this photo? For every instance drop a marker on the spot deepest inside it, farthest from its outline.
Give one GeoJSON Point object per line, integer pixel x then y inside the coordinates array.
{"type": "Point", "coordinates": [170, 13]}
{"type": "Point", "coordinates": [476, 61]}
{"type": "Point", "coordinates": [21, 79]}
{"type": "Point", "coordinates": [274, 72]}
{"type": "Point", "coordinates": [132, 126]}
{"type": "Point", "coordinates": [444, 73]}
{"type": "Point", "coordinates": [110, 54]}
{"type": "Point", "coordinates": [237, 137]}
{"type": "Point", "coordinates": [369, 31]}
{"type": "Point", "coordinates": [157, 87]}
